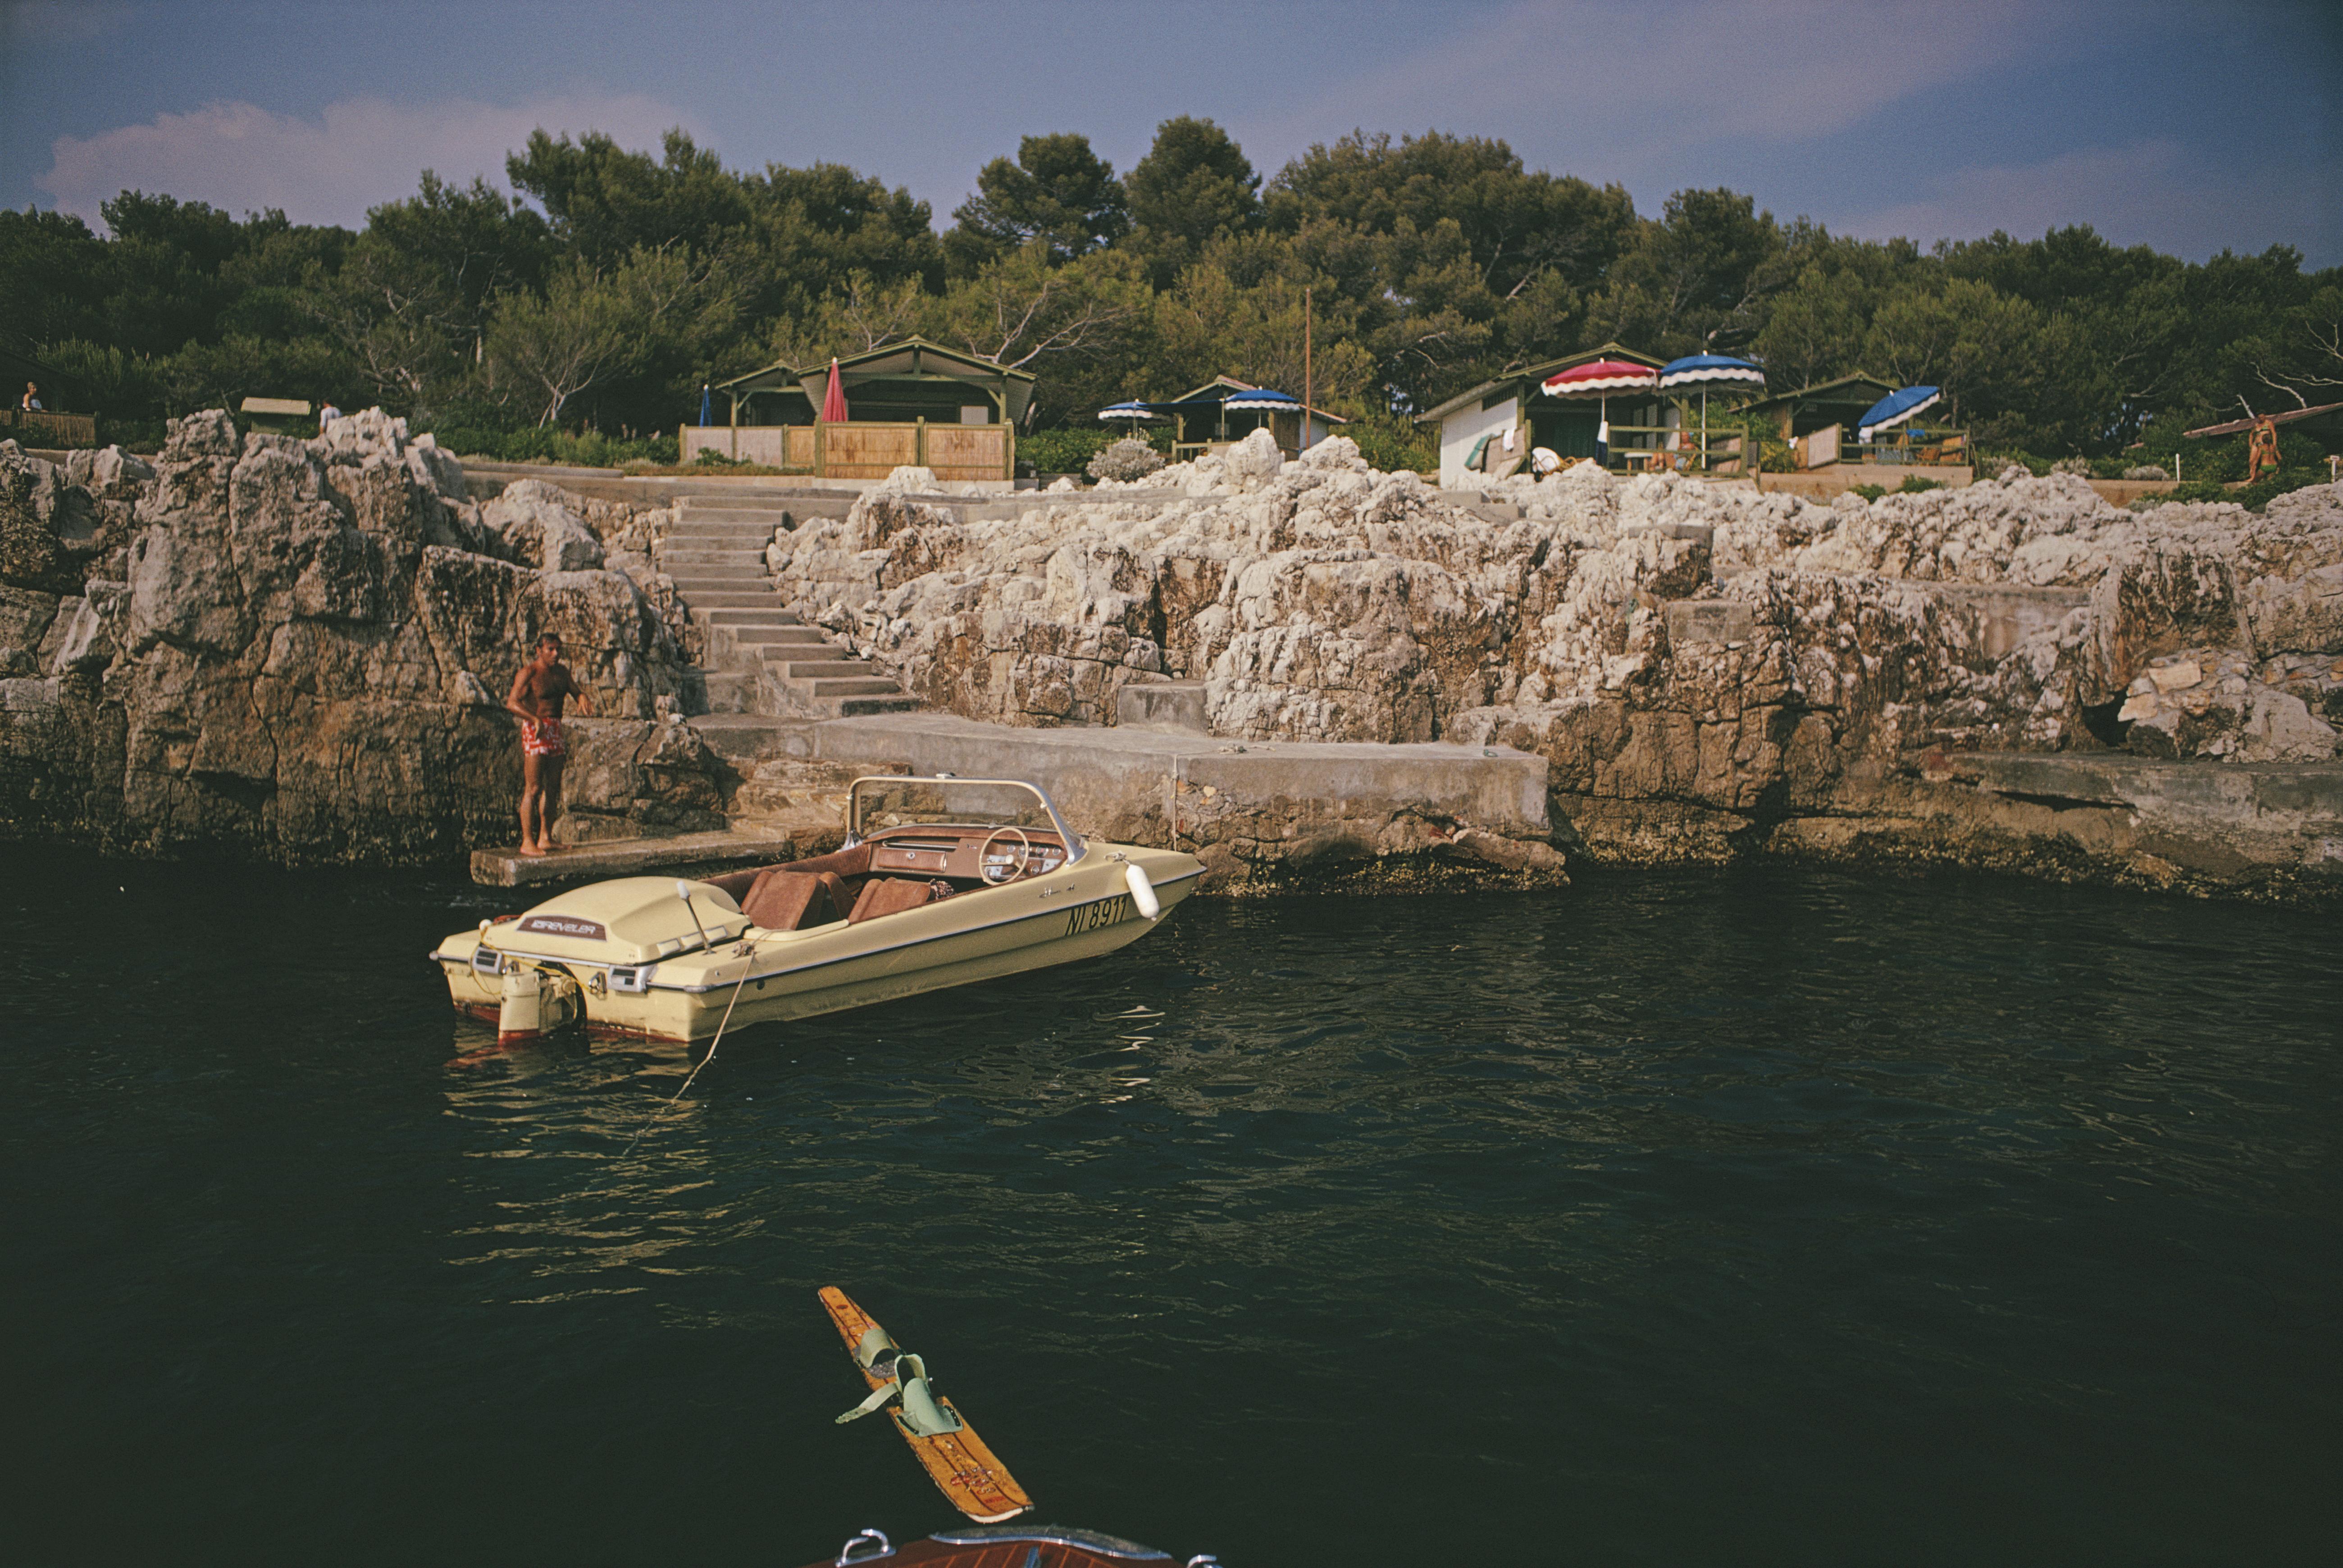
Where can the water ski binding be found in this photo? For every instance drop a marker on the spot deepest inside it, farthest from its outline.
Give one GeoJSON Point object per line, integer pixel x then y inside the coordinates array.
{"type": "Point", "coordinates": [955, 1458]}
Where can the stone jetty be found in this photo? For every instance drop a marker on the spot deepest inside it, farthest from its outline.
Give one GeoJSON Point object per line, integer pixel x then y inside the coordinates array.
{"type": "Point", "coordinates": [1306, 672]}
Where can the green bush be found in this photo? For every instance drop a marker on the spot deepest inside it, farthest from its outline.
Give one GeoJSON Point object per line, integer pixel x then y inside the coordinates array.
{"type": "Point", "coordinates": [1913, 484]}
{"type": "Point", "coordinates": [1869, 492]}
{"type": "Point", "coordinates": [1066, 451]}
{"type": "Point", "coordinates": [584, 448]}
{"type": "Point", "coordinates": [1393, 444]}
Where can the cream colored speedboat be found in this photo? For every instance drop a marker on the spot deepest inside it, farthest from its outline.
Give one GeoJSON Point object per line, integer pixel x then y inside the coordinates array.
{"type": "Point", "coordinates": [942, 882]}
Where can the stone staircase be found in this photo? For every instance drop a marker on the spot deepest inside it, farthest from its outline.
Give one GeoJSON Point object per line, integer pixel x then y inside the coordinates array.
{"type": "Point", "coordinates": [762, 662]}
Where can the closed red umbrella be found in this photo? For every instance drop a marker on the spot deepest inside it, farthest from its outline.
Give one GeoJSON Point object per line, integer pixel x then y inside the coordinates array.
{"type": "Point", "coordinates": [833, 405]}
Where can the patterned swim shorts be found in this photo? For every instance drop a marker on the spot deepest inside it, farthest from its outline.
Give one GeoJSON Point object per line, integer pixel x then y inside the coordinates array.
{"type": "Point", "coordinates": [542, 738]}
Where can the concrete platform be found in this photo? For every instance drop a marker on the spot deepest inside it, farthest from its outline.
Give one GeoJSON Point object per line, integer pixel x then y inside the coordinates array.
{"type": "Point", "coordinates": [681, 855]}
{"type": "Point", "coordinates": [1099, 776]}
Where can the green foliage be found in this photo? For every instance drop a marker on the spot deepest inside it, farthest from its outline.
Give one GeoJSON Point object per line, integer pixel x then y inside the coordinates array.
{"type": "Point", "coordinates": [1064, 451]}
{"type": "Point", "coordinates": [1431, 264]}
{"type": "Point", "coordinates": [584, 449]}
{"type": "Point", "coordinates": [1194, 186]}
{"type": "Point", "coordinates": [1393, 444]}
{"type": "Point", "coordinates": [1913, 484]}
{"type": "Point", "coordinates": [1869, 492]}
{"type": "Point", "coordinates": [1058, 191]}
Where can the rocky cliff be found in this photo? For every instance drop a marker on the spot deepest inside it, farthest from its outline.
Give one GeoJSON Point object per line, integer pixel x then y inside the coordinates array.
{"type": "Point", "coordinates": [297, 649]}
{"type": "Point", "coordinates": [1708, 669]}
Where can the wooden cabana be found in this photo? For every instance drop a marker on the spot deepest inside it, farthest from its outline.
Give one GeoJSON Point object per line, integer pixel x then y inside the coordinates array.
{"type": "Point", "coordinates": [1213, 416]}
{"type": "Point", "coordinates": [912, 403]}
{"type": "Point", "coordinates": [1639, 422]}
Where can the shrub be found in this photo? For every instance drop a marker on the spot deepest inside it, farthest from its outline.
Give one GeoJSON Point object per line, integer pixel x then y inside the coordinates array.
{"type": "Point", "coordinates": [1393, 444]}
{"type": "Point", "coordinates": [1126, 460]}
{"type": "Point", "coordinates": [1064, 451]}
{"type": "Point", "coordinates": [1869, 492]}
{"type": "Point", "coordinates": [1913, 484]}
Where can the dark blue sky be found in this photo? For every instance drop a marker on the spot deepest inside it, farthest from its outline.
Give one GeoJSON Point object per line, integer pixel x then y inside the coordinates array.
{"type": "Point", "coordinates": [2191, 127]}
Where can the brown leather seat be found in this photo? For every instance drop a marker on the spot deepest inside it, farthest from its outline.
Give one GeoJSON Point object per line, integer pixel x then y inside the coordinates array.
{"type": "Point", "coordinates": [891, 896]}
{"type": "Point", "coordinates": [791, 900]}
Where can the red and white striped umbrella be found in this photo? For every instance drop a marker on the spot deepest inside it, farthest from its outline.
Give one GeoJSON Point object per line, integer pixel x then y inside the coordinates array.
{"type": "Point", "coordinates": [1600, 379]}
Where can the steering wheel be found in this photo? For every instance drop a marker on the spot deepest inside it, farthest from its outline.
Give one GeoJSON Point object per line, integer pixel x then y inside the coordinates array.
{"type": "Point", "coordinates": [986, 865]}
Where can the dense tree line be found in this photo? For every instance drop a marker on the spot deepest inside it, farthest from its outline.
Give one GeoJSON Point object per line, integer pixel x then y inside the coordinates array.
{"type": "Point", "coordinates": [616, 282]}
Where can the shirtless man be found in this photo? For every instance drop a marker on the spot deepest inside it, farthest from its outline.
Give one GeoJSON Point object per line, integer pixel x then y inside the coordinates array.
{"type": "Point", "coordinates": [535, 700]}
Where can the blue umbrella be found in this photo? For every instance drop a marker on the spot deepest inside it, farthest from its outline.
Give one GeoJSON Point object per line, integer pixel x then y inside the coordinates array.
{"type": "Point", "coordinates": [703, 403]}
{"type": "Point", "coordinates": [1137, 413]}
{"type": "Point", "coordinates": [1895, 408]}
{"type": "Point", "coordinates": [1703, 371]}
{"type": "Point", "coordinates": [1263, 400]}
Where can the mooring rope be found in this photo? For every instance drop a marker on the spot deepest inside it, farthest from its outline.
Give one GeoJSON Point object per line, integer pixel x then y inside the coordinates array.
{"type": "Point", "coordinates": [652, 1121]}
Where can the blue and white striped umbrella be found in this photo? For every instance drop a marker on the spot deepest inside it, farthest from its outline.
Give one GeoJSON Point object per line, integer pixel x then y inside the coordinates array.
{"type": "Point", "coordinates": [1262, 400]}
{"type": "Point", "coordinates": [1709, 370]}
{"type": "Point", "coordinates": [1137, 413]}
{"type": "Point", "coordinates": [1895, 408]}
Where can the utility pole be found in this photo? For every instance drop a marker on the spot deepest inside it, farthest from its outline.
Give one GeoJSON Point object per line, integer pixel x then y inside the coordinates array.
{"type": "Point", "coordinates": [1307, 389]}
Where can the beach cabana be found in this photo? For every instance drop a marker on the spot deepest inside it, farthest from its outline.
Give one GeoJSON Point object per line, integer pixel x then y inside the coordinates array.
{"type": "Point", "coordinates": [908, 402]}
{"type": "Point", "coordinates": [1225, 410]}
{"type": "Point", "coordinates": [1568, 425]}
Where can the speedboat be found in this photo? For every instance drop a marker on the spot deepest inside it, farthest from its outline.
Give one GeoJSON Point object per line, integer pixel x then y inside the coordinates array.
{"type": "Point", "coordinates": [942, 882]}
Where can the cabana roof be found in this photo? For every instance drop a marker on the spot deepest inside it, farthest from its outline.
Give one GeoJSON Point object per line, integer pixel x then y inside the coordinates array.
{"type": "Point", "coordinates": [1526, 380]}
{"type": "Point", "coordinates": [1858, 391]}
{"type": "Point", "coordinates": [913, 359]}
{"type": "Point", "coordinates": [1220, 388]}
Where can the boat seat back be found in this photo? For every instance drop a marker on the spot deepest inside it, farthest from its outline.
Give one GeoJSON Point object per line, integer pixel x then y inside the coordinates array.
{"type": "Point", "coordinates": [892, 896]}
{"type": "Point", "coordinates": [838, 863]}
{"type": "Point", "coordinates": [790, 901]}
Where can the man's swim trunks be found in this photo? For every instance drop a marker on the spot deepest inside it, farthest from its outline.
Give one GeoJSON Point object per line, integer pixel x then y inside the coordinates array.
{"type": "Point", "coordinates": [542, 738]}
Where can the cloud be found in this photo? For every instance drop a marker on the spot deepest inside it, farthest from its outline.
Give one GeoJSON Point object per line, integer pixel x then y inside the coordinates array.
{"type": "Point", "coordinates": [358, 153]}
{"type": "Point", "coordinates": [2151, 192]}
{"type": "Point", "coordinates": [1615, 86]}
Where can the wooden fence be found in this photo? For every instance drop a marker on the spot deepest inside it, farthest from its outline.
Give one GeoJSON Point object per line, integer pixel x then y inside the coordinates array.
{"type": "Point", "coordinates": [862, 451]}
{"type": "Point", "coordinates": [40, 427]}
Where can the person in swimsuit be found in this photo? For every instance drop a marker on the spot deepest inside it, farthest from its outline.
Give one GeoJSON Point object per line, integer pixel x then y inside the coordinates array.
{"type": "Point", "coordinates": [536, 698]}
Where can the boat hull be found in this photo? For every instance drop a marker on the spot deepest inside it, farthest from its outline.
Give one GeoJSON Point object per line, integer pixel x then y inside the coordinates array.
{"type": "Point", "coordinates": [1080, 912]}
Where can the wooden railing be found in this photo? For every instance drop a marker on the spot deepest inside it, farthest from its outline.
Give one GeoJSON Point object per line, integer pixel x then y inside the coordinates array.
{"type": "Point", "coordinates": [862, 451]}
{"type": "Point", "coordinates": [41, 428]}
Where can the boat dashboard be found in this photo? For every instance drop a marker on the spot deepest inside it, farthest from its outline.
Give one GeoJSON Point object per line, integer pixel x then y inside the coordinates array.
{"type": "Point", "coordinates": [977, 855]}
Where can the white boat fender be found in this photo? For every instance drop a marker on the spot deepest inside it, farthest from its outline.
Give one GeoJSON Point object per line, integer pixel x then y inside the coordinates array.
{"type": "Point", "coordinates": [537, 1003]}
{"type": "Point", "coordinates": [1142, 892]}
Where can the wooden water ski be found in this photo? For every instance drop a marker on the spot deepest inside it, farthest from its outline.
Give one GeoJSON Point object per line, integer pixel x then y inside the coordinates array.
{"type": "Point", "coordinates": [962, 1468]}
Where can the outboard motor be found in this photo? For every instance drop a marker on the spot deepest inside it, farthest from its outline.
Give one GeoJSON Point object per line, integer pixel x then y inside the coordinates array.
{"type": "Point", "coordinates": [537, 1003]}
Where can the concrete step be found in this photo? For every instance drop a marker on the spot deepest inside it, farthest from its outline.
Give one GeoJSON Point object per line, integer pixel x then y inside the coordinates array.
{"type": "Point", "coordinates": [671, 555]}
{"type": "Point", "coordinates": [741, 506]}
{"type": "Point", "coordinates": [728, 537]}
{"type": "Point", "coordinates": [688, 583]}
{"type": "Point", "coordinates": [779, 636]}
{"type": "Point", "coordinates": [723, 528]}
{"type": "Point", "coordinates": [822, 652]}
{"type": "Point", "coordinates": [740, 735]}
{"type": "Point", "coordinates": [761, 616]}
{"type": "Point", "coordinates": [856, 686]}
{"type": "Point", "coordinates": [856, 707]}
{"type": "Point", "coordinates": [699, 599]}
{"type": "Point", "coordinates": [797, 673]}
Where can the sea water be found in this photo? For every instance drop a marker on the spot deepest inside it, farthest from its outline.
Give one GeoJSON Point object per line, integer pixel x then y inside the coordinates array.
{"type": "Point", "coordinates": [1764, 1216]}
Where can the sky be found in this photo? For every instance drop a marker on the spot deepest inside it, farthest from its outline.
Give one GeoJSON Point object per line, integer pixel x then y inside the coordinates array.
{"type": "Point", "coordinates": [2191, 127]}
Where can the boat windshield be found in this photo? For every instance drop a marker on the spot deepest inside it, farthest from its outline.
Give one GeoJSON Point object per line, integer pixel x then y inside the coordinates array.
{"type": "Point", "coordinates": [880, 803]}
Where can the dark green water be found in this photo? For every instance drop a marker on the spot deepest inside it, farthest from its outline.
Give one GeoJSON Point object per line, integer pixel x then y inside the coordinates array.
{"type": "Point", "coordinates": [1769, 1217]}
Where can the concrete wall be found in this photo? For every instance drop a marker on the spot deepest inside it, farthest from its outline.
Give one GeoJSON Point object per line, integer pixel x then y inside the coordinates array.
{"type": "Point", "coordinates": [1461, 429]}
